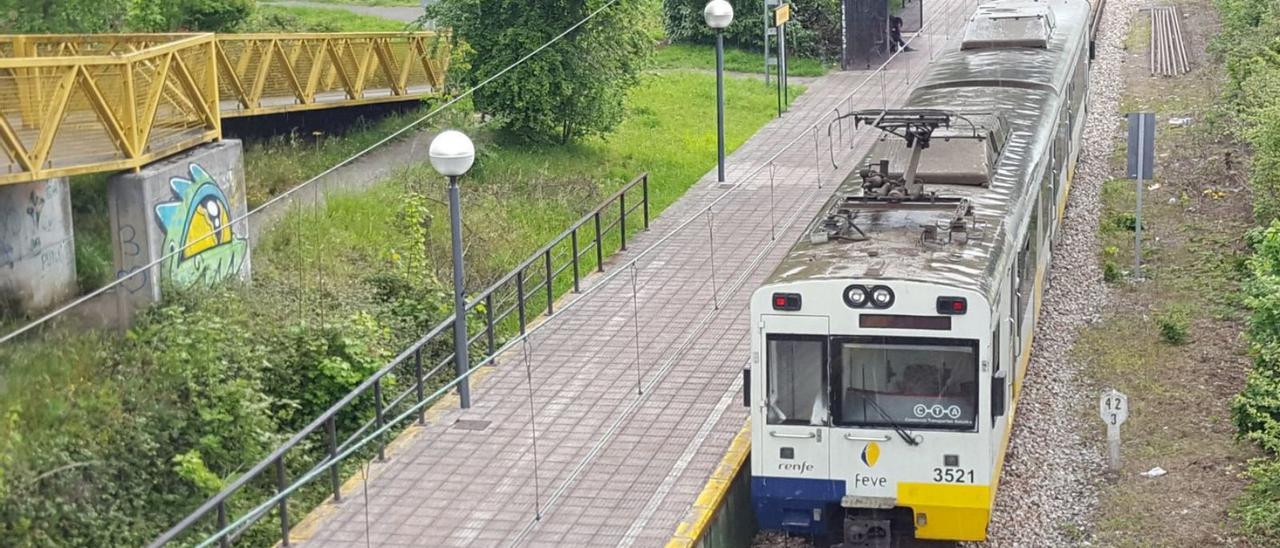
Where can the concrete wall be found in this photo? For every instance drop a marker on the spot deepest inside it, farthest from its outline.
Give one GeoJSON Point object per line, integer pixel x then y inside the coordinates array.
{"type": "Point", "coordinates": [37, 247]}
{"type": "Point", "coordinates": [734, 523]}
{"type": "Point", "coordinates": [181, 206]}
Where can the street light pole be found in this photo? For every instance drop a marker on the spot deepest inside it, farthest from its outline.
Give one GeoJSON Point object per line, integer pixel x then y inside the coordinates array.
{"type": "Point", "coordinates": [718, 15]}
{"type": "Point", "coordinates": [452, 154]}
{"type": "Point", "coordinates": [461, 359]}
{"type": "Point", "coordinates": [720, 103]}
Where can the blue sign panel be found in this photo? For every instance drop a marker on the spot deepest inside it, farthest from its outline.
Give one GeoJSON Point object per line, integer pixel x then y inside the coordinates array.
{"type": "Point", "coordinates": [1142, 144]}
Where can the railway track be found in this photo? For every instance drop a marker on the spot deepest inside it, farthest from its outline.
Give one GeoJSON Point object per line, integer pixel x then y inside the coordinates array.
{"type": "Point", "coordinates": [1168, 50]}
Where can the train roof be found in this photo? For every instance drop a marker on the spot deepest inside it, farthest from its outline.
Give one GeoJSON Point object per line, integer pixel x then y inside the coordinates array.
{"type": "Point", "coordinates": [992, 88]}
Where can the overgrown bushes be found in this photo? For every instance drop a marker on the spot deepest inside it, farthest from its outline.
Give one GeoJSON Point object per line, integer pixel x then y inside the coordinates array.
{"type": "Point", "coordinates": [1256, 410]}
{"type": "Point", "coordinates": [575, 87]}
{"type": "Point", "coordinates": [815, 28]}
{"type": "Point", "coordinates": [1250, 47]}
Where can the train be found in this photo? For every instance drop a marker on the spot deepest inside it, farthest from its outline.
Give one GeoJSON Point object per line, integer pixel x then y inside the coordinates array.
{"type": "Point", "coordinates": [890, 345]}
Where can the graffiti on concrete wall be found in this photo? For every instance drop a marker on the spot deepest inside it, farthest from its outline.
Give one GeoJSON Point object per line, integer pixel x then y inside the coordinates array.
{"type": "Point", "coordinates": [198, 234]}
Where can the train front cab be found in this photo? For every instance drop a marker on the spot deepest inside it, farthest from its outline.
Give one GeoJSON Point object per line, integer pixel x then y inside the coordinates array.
{"type": "Point", "coordinates": [873, 421]}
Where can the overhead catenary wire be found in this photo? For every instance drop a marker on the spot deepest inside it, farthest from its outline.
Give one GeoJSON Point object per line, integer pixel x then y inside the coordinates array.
{"type": "Point", "coordinates": [265, 506]}
{"type": "Point", "coordinates": [142, 270]}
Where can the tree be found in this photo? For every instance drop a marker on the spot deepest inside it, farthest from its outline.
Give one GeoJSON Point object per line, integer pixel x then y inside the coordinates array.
{"type": "Point", "coordinates": [814, 30]}
{"type": "Point", "coordinates": [62, 16]}
{"type": "Point", "coordinates": [575, 87]}
{"type": "Point", "coordinates": [189, 15]}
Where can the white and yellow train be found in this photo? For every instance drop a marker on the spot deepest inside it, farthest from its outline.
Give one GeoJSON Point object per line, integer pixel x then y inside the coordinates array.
{"type": "Point", "coordinates": [890, 345]}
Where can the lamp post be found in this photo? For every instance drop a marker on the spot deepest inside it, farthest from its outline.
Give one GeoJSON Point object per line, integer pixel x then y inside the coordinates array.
{"type": "Point", "coordinates": [719, 14]}
{"type": "Point", "coordinates": [452, 155]}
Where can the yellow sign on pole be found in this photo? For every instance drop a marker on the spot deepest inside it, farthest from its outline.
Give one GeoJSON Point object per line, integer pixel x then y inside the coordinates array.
{"type": "Point", "coordinates": [781, 15]}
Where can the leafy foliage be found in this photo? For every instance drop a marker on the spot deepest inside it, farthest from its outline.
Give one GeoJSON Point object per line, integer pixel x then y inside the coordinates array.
{"type": "Point", "coordinates": [1174, 324]}
{"type": "Point", "coordinates": [813, 32]}
{"type": "Point", "coordinates": [93, 16]}
{"type": "Point", "coordinates": [105, 440]}
{"type": "Point", "coordinates": [1256, 410]}
{"type": "Point", "coordinates": [185, 15]}
{"type": "Point", "coordinates": [575, 87]}
{"type": "Point", "coordinates": [1250, 46]}
{"type": "Point", "coordinates": [62, 16]}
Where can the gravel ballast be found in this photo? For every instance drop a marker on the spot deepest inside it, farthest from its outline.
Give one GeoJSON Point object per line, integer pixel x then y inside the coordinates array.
{"type": "Point", "coordinates": [1048, 492]}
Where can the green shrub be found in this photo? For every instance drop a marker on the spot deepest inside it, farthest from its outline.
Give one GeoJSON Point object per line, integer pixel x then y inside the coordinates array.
{"type": "Point", "coordinates": [575, 87]}
{"type": "Point", "coordinates": [1174, 324]}
{"type": "Point", "coordinates": [1111, 272]}
{"type": "Point", "coordinates": [814, 30]}
{"type": "Point", "coordinates": [1123, 221]}
{"type": "Point", "coordinates": [1259, 509]}
{"type": "Point", "coordinates": [1256, 410]}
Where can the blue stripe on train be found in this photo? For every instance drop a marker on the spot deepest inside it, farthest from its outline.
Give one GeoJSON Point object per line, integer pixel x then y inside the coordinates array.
{"type": "Point", "coordinates": [788, 504]}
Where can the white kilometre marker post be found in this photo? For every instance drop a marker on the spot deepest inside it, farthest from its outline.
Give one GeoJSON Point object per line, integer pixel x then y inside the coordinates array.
{"type": "Point", "coordinates": [1114, 410]}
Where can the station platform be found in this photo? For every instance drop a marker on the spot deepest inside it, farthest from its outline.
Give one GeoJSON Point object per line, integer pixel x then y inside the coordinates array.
{"type": "Point", "coordinates": [603, 427]}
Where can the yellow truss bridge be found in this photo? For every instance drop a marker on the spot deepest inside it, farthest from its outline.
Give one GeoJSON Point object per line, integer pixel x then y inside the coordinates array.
{"type": "Point", "coordinates": [82, 104]}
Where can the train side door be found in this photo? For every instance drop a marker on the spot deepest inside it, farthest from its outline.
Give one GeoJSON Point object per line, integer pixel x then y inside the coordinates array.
{"type": "Point", "coordinates": [796, 432]}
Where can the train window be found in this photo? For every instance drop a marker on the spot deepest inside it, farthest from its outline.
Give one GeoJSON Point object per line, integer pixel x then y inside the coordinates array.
{"type": "Point", "coordinates": [915, 382]}
{"type": "Point", "coordinates": [797, 379]}
{"type": "Point", "coordinates": [996, 353]}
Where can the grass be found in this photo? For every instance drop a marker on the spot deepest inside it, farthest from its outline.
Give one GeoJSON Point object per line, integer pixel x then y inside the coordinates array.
{"type": "Point", "coordinates": [400, 3]}
{"type": "Point", "coordinates": [317, 268]}
{"type": "Point", "coordinates": [536, 190]}
{"type": "Point", "coordinates": [703, 57]}
{"type": "Point", "coordinates": [273, 18]}
{"type": "Point", "coordinates": [1170, 341]}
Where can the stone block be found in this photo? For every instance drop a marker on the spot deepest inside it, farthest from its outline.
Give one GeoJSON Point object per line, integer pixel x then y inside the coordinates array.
{"type": "Point", "coordinates": [179, 211]}
{"type": "Point", "coordinates": [37, 246]}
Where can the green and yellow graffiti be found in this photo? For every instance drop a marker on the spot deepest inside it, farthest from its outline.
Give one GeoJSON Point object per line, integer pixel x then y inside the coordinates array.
{"type": "Point", "coordinates": [198, 235]}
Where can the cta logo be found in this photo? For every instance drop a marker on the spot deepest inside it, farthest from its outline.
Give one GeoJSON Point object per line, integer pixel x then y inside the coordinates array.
{"type": "Point", "coordinates": [871, 454]}
{"type": "Point", "coordinates": [936, 411]}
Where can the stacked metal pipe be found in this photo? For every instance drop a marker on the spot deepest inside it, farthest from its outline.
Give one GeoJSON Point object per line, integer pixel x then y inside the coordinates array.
{"type": "Point", "coordinates": [1168, 50]}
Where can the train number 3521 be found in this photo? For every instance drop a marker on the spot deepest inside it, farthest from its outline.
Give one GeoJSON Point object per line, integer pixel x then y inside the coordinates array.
{"type": "Point", "coordinates": [952, 475]}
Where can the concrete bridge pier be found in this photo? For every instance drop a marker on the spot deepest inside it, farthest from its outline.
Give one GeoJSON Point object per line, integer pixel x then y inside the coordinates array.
{"type": "Point", "coordinates": [37, 246]}
{"type": "Point", "coordinates": [180, 209]}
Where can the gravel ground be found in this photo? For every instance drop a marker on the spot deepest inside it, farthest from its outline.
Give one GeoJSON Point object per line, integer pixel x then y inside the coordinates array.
{"type": "Point", "coordinates": [1048, 493]}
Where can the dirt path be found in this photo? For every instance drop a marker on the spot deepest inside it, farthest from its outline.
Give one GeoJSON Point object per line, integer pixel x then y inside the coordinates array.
{"type": "Point", "coordinates": [1172, 340]}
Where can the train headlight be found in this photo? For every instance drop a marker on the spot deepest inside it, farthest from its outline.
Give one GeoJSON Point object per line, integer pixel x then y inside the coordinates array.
{"type": "Point", "coordinates": [856, 296]}
{"type": "Point", "coordinates": [881, 296]}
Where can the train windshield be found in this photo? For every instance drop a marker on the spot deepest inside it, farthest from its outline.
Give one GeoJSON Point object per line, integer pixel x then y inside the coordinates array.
{"type": "Point", "coordinates": [913, 382]}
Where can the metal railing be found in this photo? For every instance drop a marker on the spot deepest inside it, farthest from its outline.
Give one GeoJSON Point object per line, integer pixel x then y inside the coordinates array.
{"type": "Point", "coordinates": [506, 308]}
{"type": "Point", "coordinates": [71, 105]}
{"type": "Point", "coordinates": [728, 271]}
{"type": "Point", "coordinates": [270, 73]}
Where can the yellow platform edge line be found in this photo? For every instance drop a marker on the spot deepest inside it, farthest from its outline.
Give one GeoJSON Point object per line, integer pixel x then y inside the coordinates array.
{"type": "Point", "coordinates": [714, 492]}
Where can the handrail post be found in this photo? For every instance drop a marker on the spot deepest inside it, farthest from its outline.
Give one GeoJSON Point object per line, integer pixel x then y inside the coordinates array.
{"type": "Point", "coordinates": [599, 250]}
{"type": "Point", "coordinates": [644, 186]}
{"type": "Point", "coordinates": [417, 374]}
{"type": "Point", "coordinates": [551, 290]}
{"type": "Point", "coordinates": [284, 502]}
{"type": "Point", "coordinates": [520, 298]}
{"type": "Point", "coordinates": [377, 409]}
{"type": "Point", "coordinates": [223, 542]}
{"type": "Point", "coordinates": [622, 218]}
{"type": "Point", "coordinates": [331, 433]}
{"type": "Point", "coordinates": [573, 242]}
{"type": "Point", "coordinates": [488, 318]}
